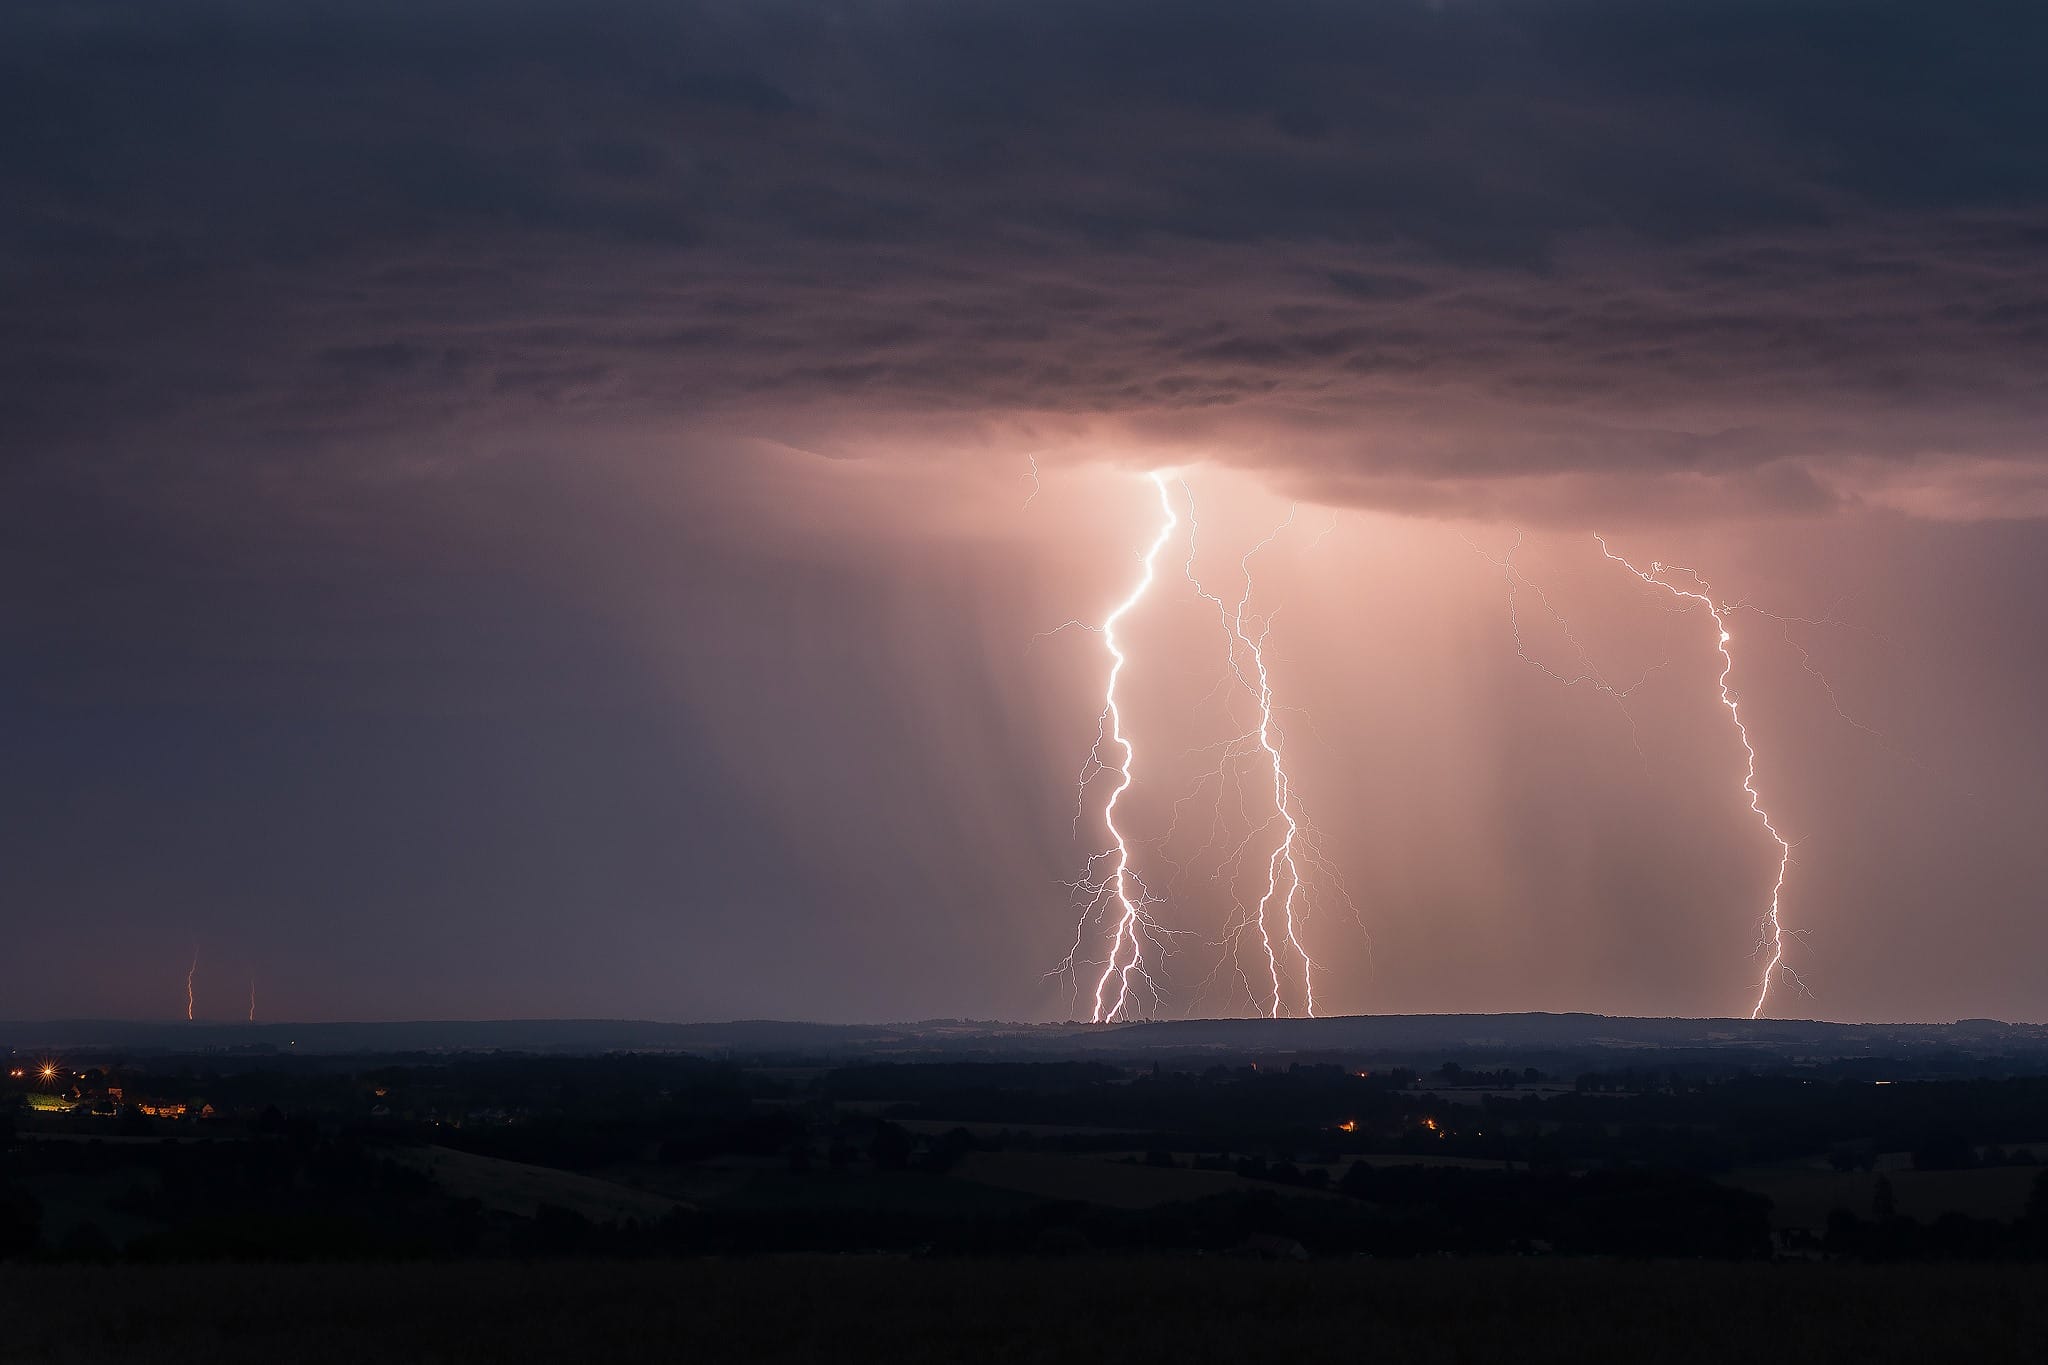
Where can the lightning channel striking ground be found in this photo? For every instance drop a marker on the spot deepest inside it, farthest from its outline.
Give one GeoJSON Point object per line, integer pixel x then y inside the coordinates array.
{"type": "Point", "coordinates": [1771, 939]}
{"type": "Point", "coordinates": [1283, 854]}
{"type": "Point", "coordinates": [1294, 860]}
{"type": "Point", "coordinates": [1121, 893]}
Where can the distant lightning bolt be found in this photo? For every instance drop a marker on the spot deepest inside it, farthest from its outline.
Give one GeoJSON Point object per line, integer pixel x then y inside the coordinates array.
{"type": "Point", "coordinates": [190, 973]}
{"type": "Point", "coordinates": [1114, 893]}
{"type": "Point", "coordinates": [1773, 929]}
{"type": "Point", "coordinates": [252, 999]}
{"type": "Point", "coordinates": [1033, 476]}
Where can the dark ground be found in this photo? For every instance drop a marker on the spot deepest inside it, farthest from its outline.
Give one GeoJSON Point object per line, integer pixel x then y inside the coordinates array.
{"type": "Point", "coordinates": [904, 1311]}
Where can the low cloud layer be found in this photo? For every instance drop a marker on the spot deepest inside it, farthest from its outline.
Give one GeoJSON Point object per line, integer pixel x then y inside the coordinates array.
{"type": "Point", "coordinates": [1444, 257]}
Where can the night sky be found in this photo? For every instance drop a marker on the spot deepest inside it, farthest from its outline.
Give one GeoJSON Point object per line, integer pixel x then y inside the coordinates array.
{"type": "Point", "coordinates": [519, 509]}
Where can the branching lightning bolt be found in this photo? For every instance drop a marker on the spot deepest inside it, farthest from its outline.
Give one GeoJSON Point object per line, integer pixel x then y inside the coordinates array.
{"type": "Point", "coordinates": [1283, 855]}
{"type": "Point", "coordinates": [191, 973]}
{"type": "Point", "coordinates": [1245, 639]}
{"type": "Point", "coordinates": [1115, 900]}
{"type": "Point", "coordinates": [1121, 893]}
{"type": "Point", "coordinates": [1772, 936]}
{"type": "Point", "coordinates": [1806, 664]}
{"type": "Point", "coordinates": [1280, 864]}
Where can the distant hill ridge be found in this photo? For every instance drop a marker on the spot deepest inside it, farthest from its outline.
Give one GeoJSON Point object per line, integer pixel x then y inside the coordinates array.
{"type": "Point", "coordinates": [1343, 1034]}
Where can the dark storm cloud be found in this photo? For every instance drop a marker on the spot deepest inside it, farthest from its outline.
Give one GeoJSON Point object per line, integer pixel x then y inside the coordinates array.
{"type": "Point", "coordinates": [1367, 242]}
{"type": "Point", "coordinates": [426, 583]}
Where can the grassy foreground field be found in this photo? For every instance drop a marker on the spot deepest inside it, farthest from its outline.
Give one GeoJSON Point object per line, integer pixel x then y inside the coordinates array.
{"type": "Point", "coordinates": [518, 1188]}
{"type": "Point", "coordinates": [913, 1312]}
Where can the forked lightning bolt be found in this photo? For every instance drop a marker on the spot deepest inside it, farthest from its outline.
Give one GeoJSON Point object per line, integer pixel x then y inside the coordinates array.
{"type": "Point", "coordinates": [1115, 900]}
{"type": "Point", "coordinates": [1120, 894]}
{"type": "Point", "coordinates": [1772, 937]}
{"type": "Point", "coordinates": [1284, 904]}
{"type": "Point", "coordinates": [1280, 864]}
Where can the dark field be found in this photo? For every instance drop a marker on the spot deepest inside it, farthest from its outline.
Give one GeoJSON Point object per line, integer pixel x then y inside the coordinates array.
{"type": "Point", "coordinates": [499, 1207]}
{"type": "Point", "coordinates": [910, 1311]}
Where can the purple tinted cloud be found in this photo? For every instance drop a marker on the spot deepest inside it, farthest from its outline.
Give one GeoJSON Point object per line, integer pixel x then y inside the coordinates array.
{"type": "Point", "coordinates": [1404, 252]}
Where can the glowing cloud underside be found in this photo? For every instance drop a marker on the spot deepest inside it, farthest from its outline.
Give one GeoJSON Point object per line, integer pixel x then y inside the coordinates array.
{"type": "Point", "coordinates": [1771, 939]}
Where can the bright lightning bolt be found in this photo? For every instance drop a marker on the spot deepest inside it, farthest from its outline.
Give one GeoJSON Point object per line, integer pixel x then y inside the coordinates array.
{"type": "Point", "coordinates": [190, 973]}
{"type": "Point", "coordinates": [1283, 855]}
{"type": "Point", "coordinates": [1773, 929]}
{"type": "Point", "coordinates": [1111, 893]}
{"type": "Point", "coordinates": [1114, 894]}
